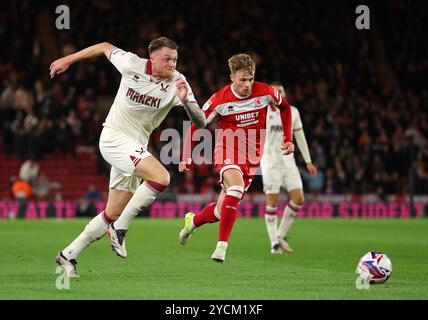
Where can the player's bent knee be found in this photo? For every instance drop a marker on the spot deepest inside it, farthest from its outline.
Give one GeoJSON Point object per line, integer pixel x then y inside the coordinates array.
{"type": "Point", "coordinates": [300, 200]}
{"type": "Point", "coordinates": [235, 191]}
{"type": "Point", "coordinates": [162, 180]}
{"type": "Point", "coordinates": [157, 185]}
{"type": "Point", "coordinates": [272, 201]}
{"type": "Point", "coordinates": [166, 179]}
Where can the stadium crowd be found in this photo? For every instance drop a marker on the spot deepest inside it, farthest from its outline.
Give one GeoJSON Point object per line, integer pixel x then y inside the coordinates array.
{"type": "Point", "coordinates": [364, 136]}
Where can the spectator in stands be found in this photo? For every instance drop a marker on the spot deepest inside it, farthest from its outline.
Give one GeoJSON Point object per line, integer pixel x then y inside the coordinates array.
{"type": "Point", "coordinates": [93, 194]}
{"type": "Point", "coordinates": [29, 171]}
{"type": "Point", "coordinates": [42, 186]}
{"type": "Point", "coordinates": [85, 208]}
{"type": "Point", "coordinates": [21, 190]}
{"type": "Point", "coordinates": [315, 184]}
{"type": "Point", "coordinates": [64, 137]}
{"type": "Point", "coordinates": [421, 179]}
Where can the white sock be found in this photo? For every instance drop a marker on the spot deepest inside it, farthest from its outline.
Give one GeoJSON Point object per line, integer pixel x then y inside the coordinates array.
{"type": "Point", "coordinates": [271, 220]}
{"type": "Point", "coordinates": [143, 197]}
{"type": "Point", "coordinates": [290, 212]}
{"type": "Point", "coordinates": [93, 231]}
{"type": "Point", "coordinates": [222, 244]}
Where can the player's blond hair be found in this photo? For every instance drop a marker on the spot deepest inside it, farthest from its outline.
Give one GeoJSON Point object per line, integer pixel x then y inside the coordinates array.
{"type": "Point", "coordinates": [242, 61]}
{"type": "Point", "coordinates": [160, 43]}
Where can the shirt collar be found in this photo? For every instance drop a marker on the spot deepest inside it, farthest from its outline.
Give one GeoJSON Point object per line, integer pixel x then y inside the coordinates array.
{"type": "Point", "coordinates": [236, 94]}
{"type": "Point", "coordinates": [149, 67]}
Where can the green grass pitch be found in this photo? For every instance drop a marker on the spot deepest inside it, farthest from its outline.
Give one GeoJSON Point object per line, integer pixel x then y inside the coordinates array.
{"type": "Point", "coordinates": [157, 267]}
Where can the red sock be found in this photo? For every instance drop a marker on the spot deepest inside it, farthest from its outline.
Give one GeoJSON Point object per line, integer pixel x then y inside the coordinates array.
{"type": "Point", "coordinates": [229, 211]}
{"type": "Point", "coordinates": [206, 215]}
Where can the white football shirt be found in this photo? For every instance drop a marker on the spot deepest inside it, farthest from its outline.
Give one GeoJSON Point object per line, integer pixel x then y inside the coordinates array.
{"type": "Point", "coordinates": [274, 136]}
{"type": "Point", "coordinates": [141, 103]}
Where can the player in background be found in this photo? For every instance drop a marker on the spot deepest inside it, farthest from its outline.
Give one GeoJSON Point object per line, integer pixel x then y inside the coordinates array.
{"type": "Point", "coordinates": [148, 89]}
{"type": "Point", "coordinates": [280, 170]}
{"type": "Point", "coordinates": [240, 109]}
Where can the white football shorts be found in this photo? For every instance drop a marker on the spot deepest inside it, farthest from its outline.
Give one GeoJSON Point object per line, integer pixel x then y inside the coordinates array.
{"type": "Point", "coordinates": [276, 177]}
{"type": "Point", "coordinates": [123, 154]}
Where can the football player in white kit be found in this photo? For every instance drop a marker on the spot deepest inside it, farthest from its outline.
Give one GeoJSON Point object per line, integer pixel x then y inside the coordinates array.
{"type": "Point", "coordinates": [148, 89]}
{"type": "Point", "coordinates": [280, 170]}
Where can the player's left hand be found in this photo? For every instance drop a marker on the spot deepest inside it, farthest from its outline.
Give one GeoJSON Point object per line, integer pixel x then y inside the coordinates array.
{"type": "Point", "coordinates": [182, 88]}
{"type": "Point", "coordinates": [59, 66]}
{"type": "Point", "coordinates": [182, 166]}
{"type": "Point", "coordinates": [312, 169]}
{"type": "Point", "coordinates": [287, 147]}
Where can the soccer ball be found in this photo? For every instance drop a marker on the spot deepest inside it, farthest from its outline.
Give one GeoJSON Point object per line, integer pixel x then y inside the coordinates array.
{"type": "Point", "coordinates": [375, 266]}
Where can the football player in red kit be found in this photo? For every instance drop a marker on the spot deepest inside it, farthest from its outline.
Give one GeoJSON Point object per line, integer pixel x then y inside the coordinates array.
{"type": "Point", "coordinates": [240, 109]}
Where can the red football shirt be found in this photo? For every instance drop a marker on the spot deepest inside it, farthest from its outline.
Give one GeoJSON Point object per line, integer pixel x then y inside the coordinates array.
{"type": "Point", "coordinates": [242, 123]}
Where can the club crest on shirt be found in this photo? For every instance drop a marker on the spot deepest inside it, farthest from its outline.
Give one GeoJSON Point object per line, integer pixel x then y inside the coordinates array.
{"type": "Point", "coordinates": [207, 105]}
{"type": "Point", "coordinates": [163, 87]}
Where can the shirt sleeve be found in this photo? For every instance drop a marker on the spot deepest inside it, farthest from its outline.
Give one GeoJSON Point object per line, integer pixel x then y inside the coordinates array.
{"type": "Point", "coordinates": [299, 135]}
{"type": "Point", "coordinates": [276, 96]}
{"type": "Point", "coordinates": [210, 108]}
{"type": "Point", "coordinates": [297, 122]}
{"type": "Point", "coordinates": [285, 111]}
{"type": "Point", "coordinates": [300, 138]}
{"type": "Point", "coordinates": [123, 60]}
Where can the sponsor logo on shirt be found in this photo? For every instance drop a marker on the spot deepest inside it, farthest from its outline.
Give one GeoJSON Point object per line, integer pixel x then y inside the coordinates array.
{"type": "Point", "coordinates": [247, 116]}
{"type": "Point", "coordinates": [275, 128]}
{"type": "Point", "coordinates": [247, 119]}
{"type": "Point", "coordinates": [143, 98]}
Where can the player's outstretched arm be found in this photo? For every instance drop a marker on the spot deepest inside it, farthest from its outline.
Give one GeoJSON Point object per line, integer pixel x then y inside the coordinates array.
{"type": "Point", "coordinates": [187, 150]}
{"type": "Point", "coordinates": [195, 113]}
{"type": "Point", "coordinates": [300, 138]}
{"type": "Point", "coordinates": [285, 112]}
{"type": "Point", "coordinates": [61, 65]}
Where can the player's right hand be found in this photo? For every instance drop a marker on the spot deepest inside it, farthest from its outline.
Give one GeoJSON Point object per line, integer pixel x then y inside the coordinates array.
{"type": "Point", "coordinates": [182, 166]}
{"type": "Point", "coordinates": [287, 147]}
{"type": "Point", "coordinates": [58, 66]}
{"type": "Point", "coordinates": [312, 169]}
